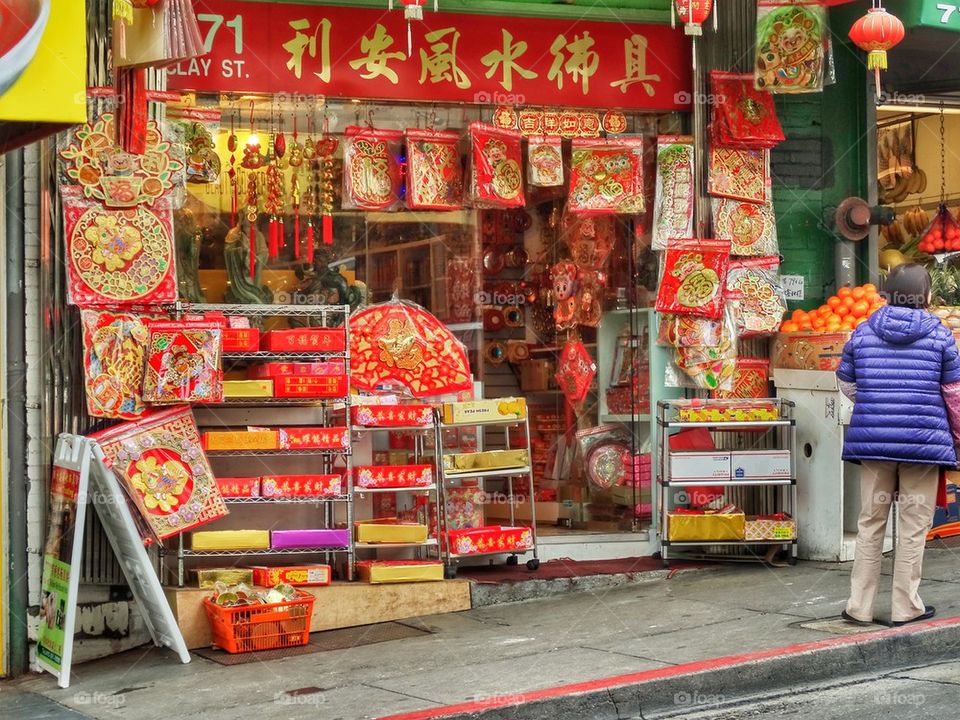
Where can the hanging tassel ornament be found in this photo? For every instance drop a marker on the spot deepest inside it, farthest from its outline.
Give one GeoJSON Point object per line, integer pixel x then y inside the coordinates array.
{"type": "Point", "coordinates": [274, 205]}
{"type": "Point", "coordinates": [232, 145]}
{"type": "Point", "coordinates": [295, 161]}
{"type": "Point", "coordinates": [252, 221]}
{"type": "Point", "coordinates": [325, 150]}
{"type": "Point", "coordinates": [412, 10]}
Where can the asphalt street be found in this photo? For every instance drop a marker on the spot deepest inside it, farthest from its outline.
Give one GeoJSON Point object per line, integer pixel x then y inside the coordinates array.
{"type": "Point", "coordinates": [931, 691]}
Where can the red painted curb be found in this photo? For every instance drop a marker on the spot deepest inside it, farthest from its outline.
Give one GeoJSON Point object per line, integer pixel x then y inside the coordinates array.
{"type": "Point", "coordinates": [667, 672]}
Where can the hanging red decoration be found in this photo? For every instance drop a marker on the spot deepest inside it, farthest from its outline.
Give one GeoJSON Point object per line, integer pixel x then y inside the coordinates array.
{"type": "Point", "coordinates": [692, 13]}
{"type": "Point", "coordinates": [876, 32]}
{"type": "Point", "coordinates": [412, 10]}
{"type": "Point", "coordinates": [575, 371]}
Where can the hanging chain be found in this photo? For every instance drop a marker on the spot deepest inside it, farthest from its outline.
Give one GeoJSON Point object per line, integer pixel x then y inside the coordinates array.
{"type": "Point", "coordinates": [943, 160]}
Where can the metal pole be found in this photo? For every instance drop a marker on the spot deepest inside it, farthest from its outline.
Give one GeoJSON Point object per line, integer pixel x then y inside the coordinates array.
{"type": "Point", "coordinates": [16, 419]}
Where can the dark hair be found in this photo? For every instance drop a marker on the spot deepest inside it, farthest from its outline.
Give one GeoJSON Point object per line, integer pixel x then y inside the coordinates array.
{"type": "Point", "coordinates": [908, 285]}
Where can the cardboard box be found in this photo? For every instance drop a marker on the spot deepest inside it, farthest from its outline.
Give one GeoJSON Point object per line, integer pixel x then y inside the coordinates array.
{"type": "Point", "coordinates": [305, 340]}
{"type": "Point", "coordinates": [313, 386]}
{"type": "Point", "coordinates": [392, 476]}
{"type": "Point", "coordinates": [760, 464]}
{"type": "Point", "coordinates": [247, 388]}
{"type": "Point", "coordinates": [537, 375]}
{"type": "Point", "coordinates": [392, 415]}
{"type": "Point", "coordinates": [745, 411]}
{"type": "Point", "coordinates": [314, 438]}
{"type": "Point", "coordinates": [699, 466]}
{"type": "Point", "coordinates": [318, 538]}
{"type": "Point", "coordinates": [296, 575]}
{"type": "Point", "coordinates": [230, 540]}
{"type": "Point", "coordinates": [240, 339]}
{"type": "Point", "coordinates": [389, 530]}
{"type": "Point", "coordinates": [708, 527]}
{"type": "Point", "coordinates": [301, 485]}
{"type": "Point", "coordinates": [241, 440]}
{"type": "Point", "coordinates": [548, 511]}
{"type": "Point", "coordinates": [378, 572]}
{"type": "Point", "coordinates": [270, 370]}
{"type": "Point", "coordinates": [486, 460]}
{"type": "Point", "coordinates": [627, 495]}
{"type": "Point", "coordinates": [239, 487]}
{"type": "Point", "coordinates": [207, 578]}
{"type": "Point", "coordinates": [770, 527]}
{"type": "Point", "coordinates": [808, 350]}
{"type": "Point", "coordinates": [480, 411]}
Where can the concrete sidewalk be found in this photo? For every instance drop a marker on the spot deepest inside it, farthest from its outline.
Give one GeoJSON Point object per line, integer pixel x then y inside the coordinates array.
{"type": "Point", "coordinates": [492, 656]}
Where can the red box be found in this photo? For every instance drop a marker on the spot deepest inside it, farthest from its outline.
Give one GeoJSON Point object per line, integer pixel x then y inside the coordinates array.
{"type": "Point", "coordinates": [310, 386]}
{"type": "Point", "coordinates": [305, 340]}
{"type": "Point", "coordinates": [393, 476]}
{"type": "Point", "coordinates": [296, 575]}
{"type": "Point", "coordinates": [240, 339]}
{"type": "Point", "coordinates": [238, 487]}
{"type": "Point", "coordinates": [314, 438]}
{"type": "Point", "coordinates": [271, 370]}
{"type": "Point", "coordinates": [392, 415]}
{"type": "Point", "coordinates": [490, 539]}
{"type": "Point", "coordinates": [301, 485]}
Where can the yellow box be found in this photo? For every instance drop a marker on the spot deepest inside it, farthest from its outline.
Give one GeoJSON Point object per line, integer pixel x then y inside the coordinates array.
{"type": "Point", "coordinates": [715, 527]}
{"type": "Point", "coordinates": [230, 540]}
{"type": "Point", "coordinates": [481, 411]}
{"type": "Point", "coordinates": [390, 530]}
{"type": "Point", "coordinates": [486, 460]}
{"type": "Point", "coordinates": [209, 577]}
{"type": "Point", "coordinates": [399, 571]}
{"type": "Point", "coordinates": [241, 440]}
{"type": "Point", "coordinates": [247, 388]}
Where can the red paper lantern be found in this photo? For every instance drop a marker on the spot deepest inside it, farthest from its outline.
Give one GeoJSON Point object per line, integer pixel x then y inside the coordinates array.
{"type": "Point", "coordinates": [692, 13]}
{"type": "Point", "coordinates": [876, 32]}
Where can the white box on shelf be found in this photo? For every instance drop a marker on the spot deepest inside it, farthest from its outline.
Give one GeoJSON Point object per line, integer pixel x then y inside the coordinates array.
{"type": "Point", "coordinates": [699, 466]}
{"type": "Point", "coordinates": [760, 464]}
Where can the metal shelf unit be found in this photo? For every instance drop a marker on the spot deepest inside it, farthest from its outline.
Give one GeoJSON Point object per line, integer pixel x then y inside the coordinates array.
{"type": "Point", "coordinates": [431, 545]}
{"type": "Point", "coordinates": [784, 430]}
{"type": "Point", "coordinates": [450, 558]}
{"type": "Point", "coordinates": [330, 316]}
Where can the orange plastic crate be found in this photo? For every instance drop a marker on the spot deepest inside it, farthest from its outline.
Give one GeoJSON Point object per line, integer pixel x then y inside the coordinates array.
{"type": "Point", "coordinates": [261, 627]}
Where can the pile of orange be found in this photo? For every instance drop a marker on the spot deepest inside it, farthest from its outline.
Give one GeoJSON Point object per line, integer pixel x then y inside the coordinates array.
{"type": "Point", "coordinates": [841, 313]}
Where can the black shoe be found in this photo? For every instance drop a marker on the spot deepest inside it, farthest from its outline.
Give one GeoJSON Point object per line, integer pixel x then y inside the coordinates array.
{"type": "Point", "coordinates": [928, 612]}
{"type": "Point", "coordinates": [850, 618]}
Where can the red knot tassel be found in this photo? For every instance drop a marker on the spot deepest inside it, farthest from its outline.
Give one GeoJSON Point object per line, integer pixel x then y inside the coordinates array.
{"type": "Point", "coordinates": [309, 243]}
{"type": "Point", "coordinates": [253, 251]}
{"type": "Point", "coordinates": [328, 229]}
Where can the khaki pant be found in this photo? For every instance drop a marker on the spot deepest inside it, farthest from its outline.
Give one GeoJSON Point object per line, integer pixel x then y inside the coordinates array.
{"type": "Point", "coordinates": [917, 496]}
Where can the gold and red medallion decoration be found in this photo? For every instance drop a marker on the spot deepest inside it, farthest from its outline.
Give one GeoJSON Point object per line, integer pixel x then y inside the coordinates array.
{"type": "Point", "coordinates": [116, 178]}
{"type": "Point", "coordinates": [694, 277]}
{"type": "Point", "coordinates": [751, 379]}
{"type": "Point", "coordinates": [743, 116]}
{"type": "Point", "coordinates": [606, 176]}
{"type": "Point", "coordinates": [371, 172]}
{"type": "Point", "coordinates": [114, 349]}
{"type": "Point", "coordinates": [399, 342]}
{"type": "Point", "coordinates": [575, 371]}
{"type": "Point", "coordinates": [614, 122]}
{"type": "Point", "coordinates": [750, 227]}
{"type": "Point", "coordinates": [434, 174]}
{"type": "Point", "coordinates": [160, 460]}
{"type": "Point", "coordinates": [549, 123]}
{"type": "Point", "coordinates": [497, 179]}
{"type": "Point", "coordinates": [120, 256]}
{"type": "Point", "coordinates": [544, 162]}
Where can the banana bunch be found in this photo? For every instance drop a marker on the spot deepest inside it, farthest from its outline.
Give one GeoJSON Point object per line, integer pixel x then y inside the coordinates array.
{"type": "Point", "coordinates": [912, 184]}
{"type": "Point", "coordinates": [893, 234]}
{"type": "Point", "coordinates": [915, 221]}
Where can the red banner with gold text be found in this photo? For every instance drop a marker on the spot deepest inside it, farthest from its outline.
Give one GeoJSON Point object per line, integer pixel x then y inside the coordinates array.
{"type": "Point", "coordinates": [362, 53]}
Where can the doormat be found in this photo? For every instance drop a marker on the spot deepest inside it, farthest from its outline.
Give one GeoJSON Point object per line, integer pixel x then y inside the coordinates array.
{"type": "Point", "coordinates": [839, 626]}
{"type": "Point", "coordinates": [342, 639]}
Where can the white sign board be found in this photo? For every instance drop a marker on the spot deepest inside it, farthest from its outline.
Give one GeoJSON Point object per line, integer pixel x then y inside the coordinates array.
{"type": "Point", "coordinates": [115, 515]}
{"type": "Point", "coordinates": [792, 286]}
{"type": "Point", "coordinates": [62, 554]}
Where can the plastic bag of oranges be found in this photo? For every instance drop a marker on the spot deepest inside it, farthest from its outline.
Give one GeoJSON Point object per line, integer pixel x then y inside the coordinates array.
{"type": "Point", "coordinates": [842, 312]}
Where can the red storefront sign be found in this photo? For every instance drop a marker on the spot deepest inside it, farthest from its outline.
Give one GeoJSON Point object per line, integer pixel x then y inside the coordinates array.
{"type": "Point", "coordinates": [362, 53]}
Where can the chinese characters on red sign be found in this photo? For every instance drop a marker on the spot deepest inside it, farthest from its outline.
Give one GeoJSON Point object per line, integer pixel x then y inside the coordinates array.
{"type": "Point", "coordinates": [362, 53]}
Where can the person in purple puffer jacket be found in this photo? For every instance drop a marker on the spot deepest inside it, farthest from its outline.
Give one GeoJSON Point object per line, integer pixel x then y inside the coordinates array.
{"type": "Point", "coordinates": [901, 368]}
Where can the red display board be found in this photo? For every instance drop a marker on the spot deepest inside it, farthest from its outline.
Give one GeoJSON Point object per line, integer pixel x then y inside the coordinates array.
{"type": "Point", "coordinates": [362, 52]}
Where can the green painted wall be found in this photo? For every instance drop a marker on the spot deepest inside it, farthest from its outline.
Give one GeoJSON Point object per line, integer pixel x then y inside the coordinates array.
{"type": "Point", "coordinates": [822, 162]}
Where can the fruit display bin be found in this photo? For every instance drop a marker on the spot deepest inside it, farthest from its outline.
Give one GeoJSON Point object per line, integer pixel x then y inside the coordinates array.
{"type": "Point", "coordinates": [261, 627]}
